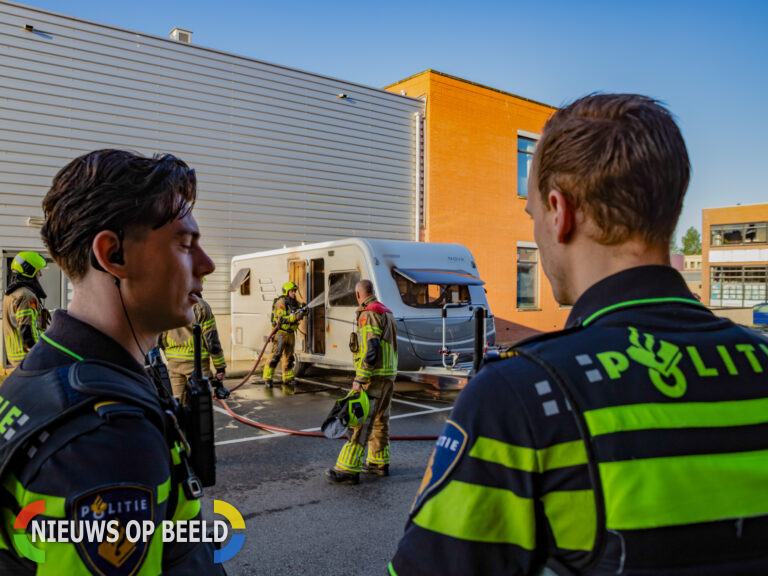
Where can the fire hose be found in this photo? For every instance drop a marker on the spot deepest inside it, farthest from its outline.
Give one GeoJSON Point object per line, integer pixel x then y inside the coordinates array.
{"type": "Point", "coordinates": [255, 424]}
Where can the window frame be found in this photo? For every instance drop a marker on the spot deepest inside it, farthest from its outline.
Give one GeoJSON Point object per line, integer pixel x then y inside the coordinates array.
{"type": "Point", "coordinates": [333, 302]}
{"type": "Point", "coordinates": [462, 290]}
{"type": "Point", "coordinates": [527, 156]}
{"type": "Point", "coordinates": [534, 266]}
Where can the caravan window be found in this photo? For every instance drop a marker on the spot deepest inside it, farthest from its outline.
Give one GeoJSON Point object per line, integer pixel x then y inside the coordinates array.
{"type": "Point", "coordinates": [341, 288]}
{"type": "Point", "coordinates": [418, 295]}
{"type": "Point", "coordinates": [242, 281]}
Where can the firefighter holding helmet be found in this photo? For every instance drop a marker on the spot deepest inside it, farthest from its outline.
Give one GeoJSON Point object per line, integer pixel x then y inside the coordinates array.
{"type": "Point", "coordinates": [24, 317]}
{"type": "Point", "coordinates": [286, 315]}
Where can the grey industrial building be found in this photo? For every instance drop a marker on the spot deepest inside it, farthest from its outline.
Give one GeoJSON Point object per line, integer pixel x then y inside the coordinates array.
{"type": "Point", "coordinates": [282, 156]}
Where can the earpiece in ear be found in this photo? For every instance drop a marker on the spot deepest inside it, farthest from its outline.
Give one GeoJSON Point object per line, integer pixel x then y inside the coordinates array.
{"type": "Point", "coordinates": [117, 257]}
{"type": "Point", "coordinates": [95, 262]}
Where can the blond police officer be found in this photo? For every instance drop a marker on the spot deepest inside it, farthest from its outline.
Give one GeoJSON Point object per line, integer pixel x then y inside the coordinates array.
{"type": "Point", "coordinates": [375, 372]}
{"type": "Point", "coordinates": [24, 317]}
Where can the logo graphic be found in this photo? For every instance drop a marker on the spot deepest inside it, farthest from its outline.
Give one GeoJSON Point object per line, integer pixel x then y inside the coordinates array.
{"type": "Point", "coordinates": [121, 505]}
{"type": "Point", "coordinates": [448, 450]}
{"type": "Point", "coordinates": [661, 361]}
{"type": "Point", "coordinates": [22, 540]}
{"type": "Point", "coordinates": [113, 528]}
{"type": "Point", "coordinates": [235, 518]}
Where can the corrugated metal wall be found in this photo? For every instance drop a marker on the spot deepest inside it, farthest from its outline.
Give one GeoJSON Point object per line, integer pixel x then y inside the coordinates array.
{"type": "Point", "coordinates": [280, 158]}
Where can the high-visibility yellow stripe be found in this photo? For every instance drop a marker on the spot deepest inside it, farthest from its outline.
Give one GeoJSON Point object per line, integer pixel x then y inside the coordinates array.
{"type": "Point", "coordinates": [351, 457]}
{"type": "Point", "coordinates": [671, 491]}
{"type": "Point", "coordinates": [676, 415]}
{"type": "Point", "coordinates": [463, 510]}
{"type": "Point", "coordinates": [163, 491]}
{"type": "Point", "coordinates": [185, 509]}
{"type": "Point", "coordinates": [55, 506]}
{"type": "Point", "coordinates": [572, 516]}
{"type": "Point", "coordinates": [529, 459]}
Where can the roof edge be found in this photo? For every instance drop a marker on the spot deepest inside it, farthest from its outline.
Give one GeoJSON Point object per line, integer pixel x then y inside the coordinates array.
{"type": "Point", "coordinates": [459, 79]}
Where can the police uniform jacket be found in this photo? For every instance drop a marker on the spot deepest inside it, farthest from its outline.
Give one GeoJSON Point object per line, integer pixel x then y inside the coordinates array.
{"type": "Point", "coordinates": [110, 462]}
{"type": "Point", "coordinates": [633, 442]}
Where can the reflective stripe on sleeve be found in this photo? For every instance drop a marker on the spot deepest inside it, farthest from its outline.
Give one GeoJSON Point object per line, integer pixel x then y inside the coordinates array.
{"type": "Point", "coordinates": [462, 510]}
{"type": "Point", "coordinates": [572, 515]}
{"type": "Point", "coordinates": [529, 459]}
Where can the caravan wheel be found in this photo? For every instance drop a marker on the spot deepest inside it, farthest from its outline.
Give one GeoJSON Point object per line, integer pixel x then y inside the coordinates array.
{"type": "Point", "coordinates": [301, 368]}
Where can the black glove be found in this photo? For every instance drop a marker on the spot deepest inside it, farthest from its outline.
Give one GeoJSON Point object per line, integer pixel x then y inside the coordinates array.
{"type": "Point", "coordinates": [220, 391]}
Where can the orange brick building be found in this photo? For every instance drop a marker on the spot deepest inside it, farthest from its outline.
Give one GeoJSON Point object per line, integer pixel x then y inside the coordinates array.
{"type": "Point", "coordinates": [478, 144]}
{"type": "Point", "coordinates": [734, 248]}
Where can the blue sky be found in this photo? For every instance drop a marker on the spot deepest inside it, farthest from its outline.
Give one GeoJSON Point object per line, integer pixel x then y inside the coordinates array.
{"type": "Point", "coordinates": [708, 61]}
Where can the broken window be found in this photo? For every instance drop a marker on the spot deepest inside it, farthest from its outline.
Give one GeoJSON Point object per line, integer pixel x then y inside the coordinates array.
{"type": "Point", "coordinates": [341, 288]}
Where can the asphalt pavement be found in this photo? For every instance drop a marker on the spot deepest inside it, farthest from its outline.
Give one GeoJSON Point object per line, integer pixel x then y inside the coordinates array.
{"type": "Point", "coordinates": [297, 523]}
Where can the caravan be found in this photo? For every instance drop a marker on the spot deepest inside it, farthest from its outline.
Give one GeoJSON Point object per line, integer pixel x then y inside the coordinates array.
{"type": "Point", "coordinates": [433, 290]}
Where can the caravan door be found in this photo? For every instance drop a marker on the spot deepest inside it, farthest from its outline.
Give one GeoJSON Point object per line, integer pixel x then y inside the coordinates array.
{"type": "Point", "coordinates": [297, 273]}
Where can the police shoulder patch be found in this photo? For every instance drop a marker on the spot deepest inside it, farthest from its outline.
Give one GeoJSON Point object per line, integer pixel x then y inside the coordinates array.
{"type": "Point", "coordinates": [108, 510]}
{"type": "Point", "coordinates": [448, 450]}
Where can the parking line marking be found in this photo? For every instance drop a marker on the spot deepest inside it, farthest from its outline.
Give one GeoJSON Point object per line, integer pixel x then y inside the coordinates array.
{"type": "Point", "coordinates": [432, 411]}
{"type": "Point", "coordinates": [409, 403]}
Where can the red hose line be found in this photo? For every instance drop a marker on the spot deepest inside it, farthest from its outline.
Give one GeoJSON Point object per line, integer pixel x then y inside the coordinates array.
{"type": "Point", "coordinates": [255, 424]}
{"type": "Point", "coordinates": [247, 376]}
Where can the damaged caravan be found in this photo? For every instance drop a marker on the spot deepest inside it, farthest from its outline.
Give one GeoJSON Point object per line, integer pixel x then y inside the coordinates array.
{"type": "Point", "coordinates": [433, 290]}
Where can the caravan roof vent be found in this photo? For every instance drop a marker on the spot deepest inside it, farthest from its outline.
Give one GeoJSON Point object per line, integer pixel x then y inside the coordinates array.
{"type": "Point", "coordinates": [181, 35]}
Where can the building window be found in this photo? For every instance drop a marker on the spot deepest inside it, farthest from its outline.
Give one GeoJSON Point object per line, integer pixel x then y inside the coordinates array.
{"type": "Point", "coordinates": [525, 148]}
{"type": "Point", "coordinates": [341, 288]}
{"type": "Point", "coordinates": [738, 286]}
{"type": "Point", "coordinates": [527, 277]}
{"type": "Point", "coordinates": [739, 234]}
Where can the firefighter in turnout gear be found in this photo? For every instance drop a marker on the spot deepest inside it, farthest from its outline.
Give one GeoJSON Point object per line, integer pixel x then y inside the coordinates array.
{"type": "Point", "coordinates": [286, 314]}
{"type": "Point", "coordinates": [180, 350]}
{"type": "Point", "coordinates": [90, 428]}
{"type": "Point", "coordinates": [24, 315]}
{"type": "Point", "coordinates": [631, 442]}
{"type": "Point", "coordinates": [375, 349]}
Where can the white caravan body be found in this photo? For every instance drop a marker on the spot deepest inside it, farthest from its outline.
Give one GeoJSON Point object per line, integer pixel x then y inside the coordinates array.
{"type": "Point", "coordinates": [419, 282]}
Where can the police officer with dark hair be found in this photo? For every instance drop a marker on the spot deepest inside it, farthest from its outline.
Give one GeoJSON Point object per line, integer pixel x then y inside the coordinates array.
{"type": "Point", "coordinates": [89, 433]}
{"type": "Point", "coordinates": [634, 441]}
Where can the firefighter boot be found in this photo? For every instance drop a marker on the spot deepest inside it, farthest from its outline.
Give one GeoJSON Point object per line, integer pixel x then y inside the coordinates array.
{"type": "Point", "coordinates": [375, 470]}
{"type": "Point", "coordinates": [269, 372]}
{"type": "Point", "coordinates": [336, 477]}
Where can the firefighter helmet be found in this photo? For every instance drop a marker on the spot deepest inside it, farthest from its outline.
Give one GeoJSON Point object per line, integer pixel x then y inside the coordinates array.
{"type": "Point", "coordinates": [358, 407]}
{"type": "Point", "coordinates": [352, 410]}
{"type": "Point", "coordinates": [28, 263]}
{"type": "Point", "coordinates": [288, 286]}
